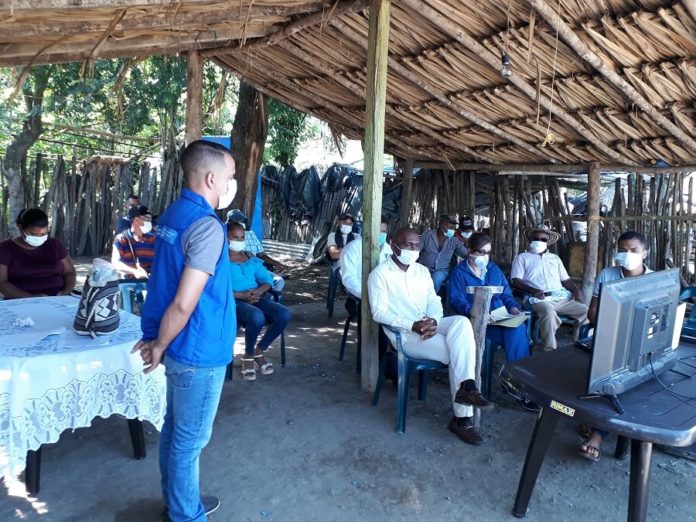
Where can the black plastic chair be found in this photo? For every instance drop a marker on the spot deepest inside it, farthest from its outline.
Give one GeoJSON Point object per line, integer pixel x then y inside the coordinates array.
{"type": "Point", "coordinates": [334, 282]}
{"type": "Point", "coordinates": [353, 309]}
{"type": "Point", "coordinates": [406, 366]}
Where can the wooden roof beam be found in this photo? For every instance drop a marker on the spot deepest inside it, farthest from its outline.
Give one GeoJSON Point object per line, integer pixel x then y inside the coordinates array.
{"type": "Point", "coordinates": [335, 75]}
{"type": "Point", "coordinates": [457, 32]}
{"type": "Point", "coordinates": [583, 50]}
{"type": "Point", "coordinates": [322, 16]}
{"type": "Point", "coordinates": [580, 168]}
{"type": "Point", "coordinates": [18, 5]}
{"type": "Point", "coordinates": [425, 86]}
{"type": "Point", "coordinates": [337, 113]}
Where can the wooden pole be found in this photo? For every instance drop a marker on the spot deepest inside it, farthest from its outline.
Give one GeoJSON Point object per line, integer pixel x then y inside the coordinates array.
{"type": "Point", "coordinates": [479, 322]}
{"type": "Point", "coordinates": [592, 245]}
{"type": "Point", "coordinates": [406, 194]}
{"type": "Point", "coordinates": [194, 93]}
{"type": "Point", "coordinates": [373, 144]}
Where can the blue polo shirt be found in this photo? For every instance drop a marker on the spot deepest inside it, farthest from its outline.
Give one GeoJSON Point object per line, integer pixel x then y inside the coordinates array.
{"type": "Point", "coordinates": [249, 275]}
{"type": "Point", "coordinates": [207, 339]}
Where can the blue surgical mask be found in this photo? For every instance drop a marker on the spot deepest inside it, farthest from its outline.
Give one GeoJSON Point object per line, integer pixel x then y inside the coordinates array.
{"type": "Point", "coordinates": [382, 238]}
{"type": "Point", "coordinates": [449, 232]}
{"type": "Point", "coordinates": [481, 262]}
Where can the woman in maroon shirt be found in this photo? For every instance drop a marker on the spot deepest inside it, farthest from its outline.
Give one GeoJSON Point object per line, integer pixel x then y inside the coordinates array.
{"type": "Point", "coordinates": [33, 264]}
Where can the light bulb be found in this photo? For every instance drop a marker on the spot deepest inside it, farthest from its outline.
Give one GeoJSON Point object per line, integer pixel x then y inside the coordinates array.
{"type": "Point", "coordinates": [506, 67]}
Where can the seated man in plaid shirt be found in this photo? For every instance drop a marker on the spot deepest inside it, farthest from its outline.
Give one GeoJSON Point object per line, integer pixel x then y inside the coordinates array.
{"type": "Point", "coordinates": [134, 248]}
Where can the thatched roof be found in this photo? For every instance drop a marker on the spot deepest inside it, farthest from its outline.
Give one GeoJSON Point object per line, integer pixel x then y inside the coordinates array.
{"type": "Point", "coordinates": [630, 101]}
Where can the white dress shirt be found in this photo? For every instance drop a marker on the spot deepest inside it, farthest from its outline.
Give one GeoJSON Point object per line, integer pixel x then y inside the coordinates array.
{"type": "Point", "coordinates": [545, 271]}
{"type": "Point", "coordinates": [399, 298]}
{"type": "Point", "coordinates": [351, 265]}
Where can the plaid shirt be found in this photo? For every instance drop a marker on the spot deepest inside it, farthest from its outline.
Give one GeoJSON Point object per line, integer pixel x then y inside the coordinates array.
{"type": "Point", "coordinates": [434, 258]}
{"type": "Point", "coordinates": [253, 245]}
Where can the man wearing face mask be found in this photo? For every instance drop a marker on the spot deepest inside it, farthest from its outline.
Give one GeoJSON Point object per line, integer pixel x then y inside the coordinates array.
{"type": "Point", "coordinates": [630, 260]}
{"type": "Point", "coordinates": [551, 291]}
{"type": "Point", "coordinates": [336, 241]}
{"type": "Point", "coordinates": [351, 260]}
{"type": "Point", "coordinates": [437, 248]}
{"type": "Point", "coordinates": [402, 296]}
{"type": "Point", "coordinates": [189, 322]}
{"type": "Point", "coordinates": [134, 249]}
{"type": "Point", "coordinates": [465, 230]}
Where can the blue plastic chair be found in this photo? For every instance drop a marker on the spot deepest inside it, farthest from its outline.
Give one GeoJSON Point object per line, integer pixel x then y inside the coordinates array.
{"type": "Point", "coordinates": [689, 327]}
{"type": "Point", "coordinates": [353, 308]}
{"type": "Point", "coordinates": [406, 367]}
{"type": "Point", "coordinates": [129, 289]}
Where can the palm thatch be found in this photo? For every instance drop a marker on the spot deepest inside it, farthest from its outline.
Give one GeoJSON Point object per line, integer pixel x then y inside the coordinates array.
{"type": "Point", "coordinates": [593, 80]}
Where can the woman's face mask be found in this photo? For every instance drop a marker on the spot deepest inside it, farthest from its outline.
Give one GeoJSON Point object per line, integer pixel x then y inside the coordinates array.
{"type": "Point", "coordinates": [346, 229]}
{"type": "Point", "coordinates": [35, 241]}
{"type": "Point", "coordinates": [237, 246]}
{"type": "Point", "coordinates": [481, 262]}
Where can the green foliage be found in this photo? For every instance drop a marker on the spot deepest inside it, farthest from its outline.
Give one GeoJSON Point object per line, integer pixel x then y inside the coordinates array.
{"type": "Point", "coordinates": [287, 130]}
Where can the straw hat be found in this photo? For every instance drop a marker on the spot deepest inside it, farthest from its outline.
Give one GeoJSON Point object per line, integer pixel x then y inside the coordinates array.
{"type": "Point", "coordinates": [553, 236]}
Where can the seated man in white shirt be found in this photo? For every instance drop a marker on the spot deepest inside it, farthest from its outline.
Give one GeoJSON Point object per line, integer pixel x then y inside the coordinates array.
{"type": "Point", "coordinates": [402, 296]}
{"type": "Point", "coordinates": [542, 276]}
{"type": "Point", "coordinates": [351, 260]}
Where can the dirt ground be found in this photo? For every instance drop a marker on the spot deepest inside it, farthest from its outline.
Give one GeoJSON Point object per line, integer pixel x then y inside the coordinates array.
{"type": "Point", "coordinates": [304, 444]}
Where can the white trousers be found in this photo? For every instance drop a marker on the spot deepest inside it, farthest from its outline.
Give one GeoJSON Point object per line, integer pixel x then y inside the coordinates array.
{"type": "Point", "coordinates": [453, 344]}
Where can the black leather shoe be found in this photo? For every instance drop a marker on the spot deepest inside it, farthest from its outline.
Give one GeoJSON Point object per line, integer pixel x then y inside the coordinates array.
{"type": "Point", "coordinates": [529, 405]}
{"type": "Point", "coordinates": [473, 398]}
{"type": "Point", "coordinates": [463, 428]}
{"type": "Point", "coordinates": [210, 505]}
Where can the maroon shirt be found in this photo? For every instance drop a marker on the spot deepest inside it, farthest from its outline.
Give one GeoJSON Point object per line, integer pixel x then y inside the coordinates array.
{"type": "Point", "coordinates": [37, 271]}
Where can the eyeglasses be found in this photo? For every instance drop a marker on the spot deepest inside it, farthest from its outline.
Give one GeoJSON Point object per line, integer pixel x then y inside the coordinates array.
{"type": "Point", "coordinates": [542, 239]}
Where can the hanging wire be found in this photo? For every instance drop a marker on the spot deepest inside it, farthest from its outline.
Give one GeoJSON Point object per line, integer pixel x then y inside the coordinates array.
{"type": "Point", "coordinates": [550, 138]}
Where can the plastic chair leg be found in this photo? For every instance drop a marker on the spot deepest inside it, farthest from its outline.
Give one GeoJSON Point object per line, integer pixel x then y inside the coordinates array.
{"type": "Point", "coordinates": [344, 338]}
{"type": "Point", "coordinates": [380, 381]}
{"type": "Point", "coordinates": [487, 370]}
{"type": "Point", "coordinates": [422, 384]}
{"type": "Point", "coordinates": [32, 473]}
{"type": "Point", "coordinates": [127, 298]}
{"type": "Point", "coordinates": [402, 397]}
{"type": "Point", "coordinates": [282, 349]}
{"type": "Point", "coordinates": [135, 428]}
{"type": "Point", "coordinates": [229, 372]}
{"type": "Point", "coordinates": [358, 355]}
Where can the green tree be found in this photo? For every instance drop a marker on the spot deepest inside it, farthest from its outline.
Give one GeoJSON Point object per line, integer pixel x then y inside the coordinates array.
{"type": "Point", "coordinates": [287, 130]}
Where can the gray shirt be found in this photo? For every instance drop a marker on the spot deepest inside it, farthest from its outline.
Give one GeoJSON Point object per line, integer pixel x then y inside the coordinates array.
{"type": "Point", "coordinates": [611, 273]}
{"type": "Point", "coordinates": [435, 258]}
{"type": "Point", "coordinates": [202, 243]}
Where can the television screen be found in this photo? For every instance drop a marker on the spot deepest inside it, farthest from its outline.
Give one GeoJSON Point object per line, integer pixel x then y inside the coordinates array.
{"type": "Point", "coordinates": [634, 335]}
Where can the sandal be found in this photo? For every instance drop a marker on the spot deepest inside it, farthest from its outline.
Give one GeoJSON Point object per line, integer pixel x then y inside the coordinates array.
{"type": "Point", "coordinates": [248, 374]}
{"type": "Point", "coordinates": [585, 431]}
{"type": "Point", "coordinates": [265, 368]}
{"type": "Point", "coordinates": [589, 452]}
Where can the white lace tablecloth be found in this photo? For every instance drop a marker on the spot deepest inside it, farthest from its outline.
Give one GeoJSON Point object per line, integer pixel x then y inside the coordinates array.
{"type": "Point", "coordinates": [52, 379]}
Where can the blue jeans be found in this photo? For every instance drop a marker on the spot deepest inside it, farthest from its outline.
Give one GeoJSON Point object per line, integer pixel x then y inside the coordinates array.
{"type": "Point", "coordinates": [255, 316]}
{"type": "Point", "coordinates": [193, 395]}
{"type": "Point", "coordinates": [514, 340]}
{"type": "Point", "coordinates": [439, 278]}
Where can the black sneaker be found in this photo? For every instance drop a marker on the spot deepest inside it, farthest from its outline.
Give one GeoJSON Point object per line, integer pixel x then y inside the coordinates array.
{"type": "Point", "coordinates": [463, 428]}
{"type": "Point", "coordinates": [210, 505]}
{"type": "Point", "coordinates": [473, 398]}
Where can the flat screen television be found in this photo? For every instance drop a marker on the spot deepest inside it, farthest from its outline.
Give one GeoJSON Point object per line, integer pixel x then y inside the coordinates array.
{"type": "Point", "coordinates": [634, 333]}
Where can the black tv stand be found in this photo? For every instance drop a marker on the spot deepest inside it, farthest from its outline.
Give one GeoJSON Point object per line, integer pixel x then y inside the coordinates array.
{"type": "Point", "coordinates": [614, 399]}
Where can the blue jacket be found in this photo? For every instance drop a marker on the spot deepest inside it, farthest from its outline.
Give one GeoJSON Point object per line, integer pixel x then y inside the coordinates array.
{"type": "Point", "coordinates": [462, 276]}
{"type": "Point", "coordinates": [207, 339]}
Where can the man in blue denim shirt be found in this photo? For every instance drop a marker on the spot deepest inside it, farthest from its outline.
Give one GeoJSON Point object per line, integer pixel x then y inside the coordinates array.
{"type": "Point", "coordinates": [188, 322]}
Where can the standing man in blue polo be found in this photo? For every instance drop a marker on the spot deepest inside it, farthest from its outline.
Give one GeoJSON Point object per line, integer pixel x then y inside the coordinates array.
{"type": "Point", "coordinates": [188, 322]}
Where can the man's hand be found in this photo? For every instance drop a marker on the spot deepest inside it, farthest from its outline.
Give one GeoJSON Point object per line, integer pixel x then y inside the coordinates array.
{"type": "Point", "coordinates": [426, 328]}
{"type": "Point", "coordinates": [151, 352]}
{"type": "Point", "coordinates": [243, 296]}
{"type": "Point", "coordinates": [578, 295]}
{"type": "Point", "coordinates": [254, 296]}
{"type": "Point", "coordinates": [515, 311]}
{"type": "Point", "coordinates": [141, 273]}
{"type": "Point", "coordinates": [539, 294]}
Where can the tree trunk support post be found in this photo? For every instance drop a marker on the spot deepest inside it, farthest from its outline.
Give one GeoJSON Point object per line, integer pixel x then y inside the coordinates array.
{"type": "Point", "coordinates": [373, 144]}
{"type": "Point", "coordinates": [406, 194]}
{"type": "Point", "coordinates": [479, 322]}
{"type": "Point", "coordinates": [592, 245]}
{"type": "Point", "coordinates": [194, 93]}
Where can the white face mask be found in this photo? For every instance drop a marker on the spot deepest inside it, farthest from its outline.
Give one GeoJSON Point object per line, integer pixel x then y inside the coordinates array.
{"type": "Point", "coordinates": [408, 257]}
{"type": "Point", "coordinates": [146, 227]}
{"type": "Point", "coordinates": [538, 246]}
{"type": "Point", "coordinates": [629, 260]}
{"type": "Point", "coordinates": [346, 229]}
{"type": "Point", "coordinates": [467, 234]}
{"type": "Point", "coordinates": [237, 246]}
{"type": "Point", "coordinates": [481, 262]}
{"type": "Point", "coordinates": [227, 197]}
{"type": "Point", "coordinates": [35, 241]}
